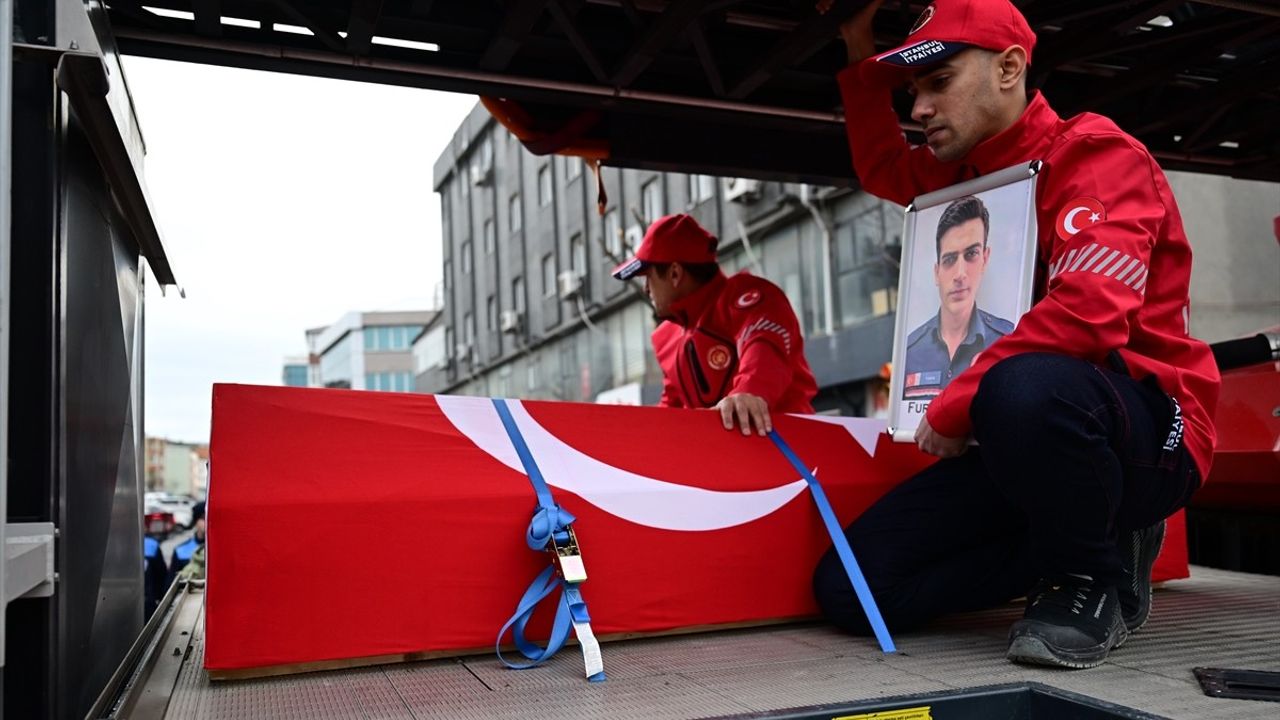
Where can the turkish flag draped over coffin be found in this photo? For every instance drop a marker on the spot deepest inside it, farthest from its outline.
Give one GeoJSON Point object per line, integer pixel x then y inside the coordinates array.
{"type": "Point", "coordinates": [347, 524]}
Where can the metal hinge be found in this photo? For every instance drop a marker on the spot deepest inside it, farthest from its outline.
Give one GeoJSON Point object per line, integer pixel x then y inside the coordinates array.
{"type": "Point", "coordinates": [28, 560]}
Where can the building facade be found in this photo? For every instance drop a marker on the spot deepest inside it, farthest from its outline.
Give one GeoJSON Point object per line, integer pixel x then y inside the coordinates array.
{"type": "Point", "coordinates": [369, 350]}
{"type": "Point", "coordinates": [296, 372]}
{"type": "Point", "coordinates": [177, 468]}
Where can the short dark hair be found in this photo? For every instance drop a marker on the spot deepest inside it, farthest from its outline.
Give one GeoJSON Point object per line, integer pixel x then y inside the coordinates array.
{"type": "Point", "coordinates": [700, 272]}
{"type": "Point", "coordinates": [958, 213]}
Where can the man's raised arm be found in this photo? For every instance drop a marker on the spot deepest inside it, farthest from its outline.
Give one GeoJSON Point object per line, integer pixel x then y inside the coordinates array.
{"type": "Point", "coordinates": [886, 165]}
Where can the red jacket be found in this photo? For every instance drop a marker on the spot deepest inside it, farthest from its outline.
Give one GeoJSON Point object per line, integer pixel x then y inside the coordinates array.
{"type": "Point", "coordinates": [1118, 283]}
{"type": "Point", "coordinates": [734, 335]}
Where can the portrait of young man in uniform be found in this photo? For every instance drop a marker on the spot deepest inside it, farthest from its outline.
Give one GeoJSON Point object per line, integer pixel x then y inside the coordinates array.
{"type": "Point", "coordinates": [946, 344]}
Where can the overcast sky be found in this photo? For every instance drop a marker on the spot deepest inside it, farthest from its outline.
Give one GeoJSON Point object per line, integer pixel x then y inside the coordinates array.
{"type": "Point", "coordinates": [284, 202]}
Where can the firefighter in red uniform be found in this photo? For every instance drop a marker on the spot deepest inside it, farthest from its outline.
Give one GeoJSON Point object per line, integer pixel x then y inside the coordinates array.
{"type": "Point", "coordinates": [1093, 416]}
{"type": "Point", "coordinates": [729, 343]}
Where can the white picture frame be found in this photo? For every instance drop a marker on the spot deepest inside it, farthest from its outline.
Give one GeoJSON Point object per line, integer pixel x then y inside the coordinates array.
{"type": "Point", "coordinates": [934, 339]}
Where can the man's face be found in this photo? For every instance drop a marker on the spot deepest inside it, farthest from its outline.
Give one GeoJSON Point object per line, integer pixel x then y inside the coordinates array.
{"type": "Point", "coordinates": [957, 102]}
{"type": "Point", "coordinates": [962, 259]}
{"type": "Point", "coordinates": [661, 289]}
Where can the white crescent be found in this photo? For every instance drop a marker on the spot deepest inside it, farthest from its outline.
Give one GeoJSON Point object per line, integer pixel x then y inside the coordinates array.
{"type": "Point", "coordinates": [1067, 221]}
{"type": "Point", "coordinates": [639, 499]}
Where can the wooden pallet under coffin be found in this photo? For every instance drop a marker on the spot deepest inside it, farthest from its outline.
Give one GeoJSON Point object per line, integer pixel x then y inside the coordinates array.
{"type": "Point", "coordinates": [350, 528]}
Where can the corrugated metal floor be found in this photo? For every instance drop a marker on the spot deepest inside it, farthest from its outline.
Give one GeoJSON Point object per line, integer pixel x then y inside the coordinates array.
{"type": "Point", "coordinates": [1215, 619]}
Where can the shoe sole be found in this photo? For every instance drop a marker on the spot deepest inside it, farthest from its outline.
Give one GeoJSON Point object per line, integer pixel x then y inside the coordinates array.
{"type": "Point", "coordinates": [1036, 651]}
{"type": "Point", "coordinates": [1144, 593]}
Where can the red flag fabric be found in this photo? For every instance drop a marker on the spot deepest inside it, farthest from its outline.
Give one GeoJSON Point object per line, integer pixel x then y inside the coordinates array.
{"type": "Point", "coordinates": [346, 524]}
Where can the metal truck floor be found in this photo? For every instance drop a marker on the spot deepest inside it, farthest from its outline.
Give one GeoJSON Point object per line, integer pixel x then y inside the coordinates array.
{"type": "Point", "coordinates": [1215, 619]}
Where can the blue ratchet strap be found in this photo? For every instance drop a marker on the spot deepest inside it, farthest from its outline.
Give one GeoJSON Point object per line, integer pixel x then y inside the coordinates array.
{"type": "Point", "coordinates": [550, 524]}
{"type": "Point", "coordinates": [842, 545]}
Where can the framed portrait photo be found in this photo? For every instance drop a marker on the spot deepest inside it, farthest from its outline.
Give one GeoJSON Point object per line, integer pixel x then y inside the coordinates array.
{"type": "Point", "coordinates": [966, 277]}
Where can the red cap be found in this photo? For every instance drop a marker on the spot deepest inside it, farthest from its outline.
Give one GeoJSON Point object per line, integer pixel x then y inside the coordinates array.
{"type": "Point", "coordinates": [674, 238]}
{"type": "Point", "coordinates": [948, 26]}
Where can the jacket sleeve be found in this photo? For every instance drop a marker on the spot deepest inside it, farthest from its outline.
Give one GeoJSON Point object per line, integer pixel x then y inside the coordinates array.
{"type": "Point", "coordinates": [1096, 279]}
{"type": "Point", "coordinates": [668, 398]}
{"type": "Point", "coordinates": [886, 164]}
{"type": "Point", "coordinates": [671, 395]}
{"type": "Point", "coordinates": [765, 341]}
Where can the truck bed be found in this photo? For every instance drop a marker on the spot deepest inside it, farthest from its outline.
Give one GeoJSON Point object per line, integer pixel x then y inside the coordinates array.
{"type": "Point", "coordinates": [1215, 619]}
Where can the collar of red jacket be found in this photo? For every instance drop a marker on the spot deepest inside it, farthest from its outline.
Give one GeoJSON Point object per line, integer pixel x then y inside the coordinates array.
{"type": "Point", "coordinates": [690, 308]}
{"type": "Point", "coordinates": [1024, 140]}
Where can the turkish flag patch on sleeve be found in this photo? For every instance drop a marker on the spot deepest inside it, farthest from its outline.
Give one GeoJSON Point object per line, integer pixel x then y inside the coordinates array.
{"type": "Point", "coordinates": [1078, 215]}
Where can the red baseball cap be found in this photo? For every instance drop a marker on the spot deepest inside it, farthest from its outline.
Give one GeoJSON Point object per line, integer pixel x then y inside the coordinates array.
{"type": "Point", "coordinates": [948, 26]}
{"type": "Point", "coordinates": [674, 238]}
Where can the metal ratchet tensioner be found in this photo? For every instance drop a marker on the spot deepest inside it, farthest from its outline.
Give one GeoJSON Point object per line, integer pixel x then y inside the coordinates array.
{"type": "Point", "coordinates": [568, 557]}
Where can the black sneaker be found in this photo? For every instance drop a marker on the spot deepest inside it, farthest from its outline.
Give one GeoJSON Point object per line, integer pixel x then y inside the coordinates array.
{"type": "Point", "coordinates": [1137, 556]}
{"type": "Point", "coordinates": [1069, 622]}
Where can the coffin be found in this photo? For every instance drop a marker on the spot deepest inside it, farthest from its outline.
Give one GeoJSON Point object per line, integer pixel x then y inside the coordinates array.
{"type": "Point", "coordinates": [360, 527]}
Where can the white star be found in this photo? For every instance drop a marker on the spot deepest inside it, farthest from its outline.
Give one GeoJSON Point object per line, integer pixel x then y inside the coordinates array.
{"type": "Point", "coordinates": [1094, 217]}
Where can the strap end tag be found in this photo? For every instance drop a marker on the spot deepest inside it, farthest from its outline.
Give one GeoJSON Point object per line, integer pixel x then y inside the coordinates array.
{"type": "Point", "coordinates": [592, 662]}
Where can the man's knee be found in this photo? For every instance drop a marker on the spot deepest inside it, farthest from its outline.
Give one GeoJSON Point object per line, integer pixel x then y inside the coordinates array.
{"type": "Point", "coordinates": [1023, 391]}
{"type": "Point", "coordinates": [835, 595]}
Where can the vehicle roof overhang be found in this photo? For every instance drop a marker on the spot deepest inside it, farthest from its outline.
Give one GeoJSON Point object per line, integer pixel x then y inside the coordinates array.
{"type": "Point", "coordinates": [745, 88]}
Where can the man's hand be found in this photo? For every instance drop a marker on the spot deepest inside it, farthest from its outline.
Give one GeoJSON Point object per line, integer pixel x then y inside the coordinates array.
{"type": "Point", "coordinates": [748, 409]}
{"type": "Point", "coordinates": [931, 442]}
{"type": "Point", "coordinates": [856, 31]}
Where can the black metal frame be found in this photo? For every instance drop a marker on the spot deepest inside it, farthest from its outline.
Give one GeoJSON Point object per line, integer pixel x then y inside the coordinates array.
{"type": "Point", "coordinates": [745, 87]}
{"type": "Point", "coordinates": [1016, 701]}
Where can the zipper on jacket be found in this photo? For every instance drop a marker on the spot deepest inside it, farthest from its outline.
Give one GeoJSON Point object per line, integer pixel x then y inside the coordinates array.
{"type": "Point", "coordinates": [698, 375]}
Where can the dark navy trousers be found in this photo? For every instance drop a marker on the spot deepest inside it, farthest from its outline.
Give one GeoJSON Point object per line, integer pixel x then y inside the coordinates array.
{"type": "Point", "coordinates": [1071, 458]}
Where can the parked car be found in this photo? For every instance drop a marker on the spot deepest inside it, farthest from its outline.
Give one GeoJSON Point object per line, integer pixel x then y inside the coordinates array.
{"type": "Point", "coordinates": [180, 506]}
{"type": "Point", "coordinates": [158, 523]}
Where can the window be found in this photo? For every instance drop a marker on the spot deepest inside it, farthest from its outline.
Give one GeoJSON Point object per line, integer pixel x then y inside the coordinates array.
{"type": "Point", "coordinates": [389, 381]}
{"type": "Point", "coordinates": [448, 274]}
{"type": "Point", "coordinates": [544, 185]}
{"type": "Point", "coordinates": [466, 257]}
{"type": "Point", "coordinates": [486, 154]}
{"type": "Point", "coordinates": [578, 253]}
{"type": "Point", "coordinates": [468, 328]}
{"type": "Point", "coordinates": [514, 221]}
{"type": "Point", "coordinates": [701, 188]}
{"type": "Point", "coordinates": [863, 276]}
{"type": "Point", "coordinates": [490, 236]}
{"type": "Point", "coordinates": [449, 350]}
{"type": "Point", "coordinates": [517, 294]}
{"type": "Point", "coordinates": [573, 168]}
{"type": "Point", "coordinates": [651, 198]}
{"type": "Point", "coordinates": [613, 234]}
{"type": "Point", "coordinates": [390, 337]}
{"type": "Point", "coordinates": [548, 275]}
{"type": "Point", "coordinates": [534, 371]}
{"type": "Point", "coordinates": [491, 314]}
